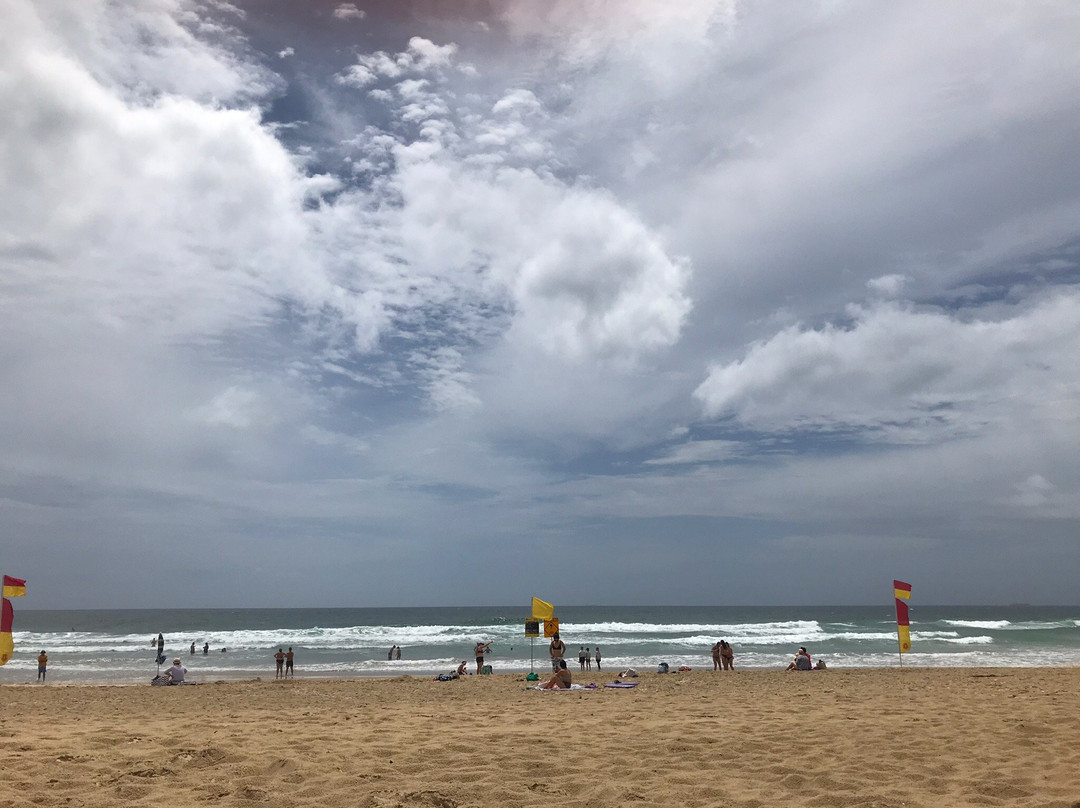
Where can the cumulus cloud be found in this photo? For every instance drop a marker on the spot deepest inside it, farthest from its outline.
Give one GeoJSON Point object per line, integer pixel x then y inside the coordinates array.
{"type": "Point", "coordinates": [887, 285]}
{"type": "Point", "coordinates": [422, 55]}
{"type": "Point", "coordinates": [349, 11]}
{"type": "Point", "coordinates": [906, 373]}
{"type": "Point", "coordinates": [582, 275]}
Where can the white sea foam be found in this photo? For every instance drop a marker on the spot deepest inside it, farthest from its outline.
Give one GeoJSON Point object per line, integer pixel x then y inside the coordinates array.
{"type": "Point", "coordinates": [991, 624]}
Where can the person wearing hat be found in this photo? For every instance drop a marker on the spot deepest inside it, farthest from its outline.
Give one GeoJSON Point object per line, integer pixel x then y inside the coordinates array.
{"type": "Point", "coordinates": [176, 672]}
{"type": "Point", "coordinates": [42, 663]}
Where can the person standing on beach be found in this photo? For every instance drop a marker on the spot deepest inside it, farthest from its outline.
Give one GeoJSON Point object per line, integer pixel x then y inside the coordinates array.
{"type": "Point", "coordinates": [288, 662]}
{"type": "Point", "coordinates": [42, 664]}
{"type": "Point", "coordinates": [716, 656]}
{"type": "Point", "coordinates": [727, 656]}
{"type": "Point", "coordinates": [557, 649]}
{"type": "Point", "coordinates": [588, 659]}
{"type": "Point", "coordinates": [279, 658]}
{"type": "Point", "coordinates": [598, 657]}
{"type": "Point", "coordinates": [581, 657]}
{"type": "Point", "coordinates": [481, 649]}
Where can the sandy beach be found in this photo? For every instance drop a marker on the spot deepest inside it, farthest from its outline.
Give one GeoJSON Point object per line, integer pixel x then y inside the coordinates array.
{"type": "Point", "coordinates": [986, 737]}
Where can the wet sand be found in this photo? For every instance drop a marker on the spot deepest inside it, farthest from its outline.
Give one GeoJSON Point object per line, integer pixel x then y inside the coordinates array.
{"type": "Point", "coordinates": [972, 737]}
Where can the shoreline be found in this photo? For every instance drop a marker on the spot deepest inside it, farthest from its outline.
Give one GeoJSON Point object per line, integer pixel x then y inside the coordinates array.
{"type": "Point", "coordinates": [542, 672]}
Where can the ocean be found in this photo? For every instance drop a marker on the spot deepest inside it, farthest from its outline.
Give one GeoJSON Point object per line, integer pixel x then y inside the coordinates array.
{"type": "Point", "coordinates": [114, 646]}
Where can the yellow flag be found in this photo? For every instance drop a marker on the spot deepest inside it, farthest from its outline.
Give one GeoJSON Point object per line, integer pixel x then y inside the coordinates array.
{"type": "Point", "coordinates": [542, 610]}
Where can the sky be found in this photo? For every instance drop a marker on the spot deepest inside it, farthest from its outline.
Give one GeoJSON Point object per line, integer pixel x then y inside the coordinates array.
{"type": "Point", "coordinates": [420, 303]}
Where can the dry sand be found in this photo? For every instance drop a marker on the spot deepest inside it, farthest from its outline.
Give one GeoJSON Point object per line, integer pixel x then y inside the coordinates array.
{"type": "Point", "coordinates": [987, 737]}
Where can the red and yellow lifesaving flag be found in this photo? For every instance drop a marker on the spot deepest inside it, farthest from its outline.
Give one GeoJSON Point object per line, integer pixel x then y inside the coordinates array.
{"type": "Point", "coordinates": [7, 644]}
{"type": "Point", "coordinates": [542, 610]}
{"type": "Point", "coordinates": [902, 592]}
{"type": "Point", "coordinates": [14, 587]}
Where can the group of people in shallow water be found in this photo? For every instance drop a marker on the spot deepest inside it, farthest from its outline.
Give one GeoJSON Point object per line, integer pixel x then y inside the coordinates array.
{"type": "Point", "coordinates": [557, 652]}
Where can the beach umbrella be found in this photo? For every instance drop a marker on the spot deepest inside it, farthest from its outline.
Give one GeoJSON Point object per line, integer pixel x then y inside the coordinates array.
{"type": "Point", "coordinates": [160, 649]}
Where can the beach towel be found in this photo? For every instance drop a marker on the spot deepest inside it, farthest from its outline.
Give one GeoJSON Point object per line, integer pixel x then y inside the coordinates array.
{"type": "Point", "coordinates": [163, 679]}
{"type": "Point", "coordinates": [621, 684]}
{"type": "Point", "coordinates": [589, 686]}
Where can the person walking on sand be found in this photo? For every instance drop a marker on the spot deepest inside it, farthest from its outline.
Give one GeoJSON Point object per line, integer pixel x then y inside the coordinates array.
{"type": "Point", "coordinates": [288, 662]}
{"type": "Point", "coordinates": [598, 657]}
{"type": "Point", "coordinates": [42, 664]}
{"type": "Point", "coordinates": [481, 649]}
{"type": "Point", "coordinates": [557, 649]}
{"type": "Point", "coordinates": [279, 658]}
{"type": "Point", "coordinates": [727, 656]}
